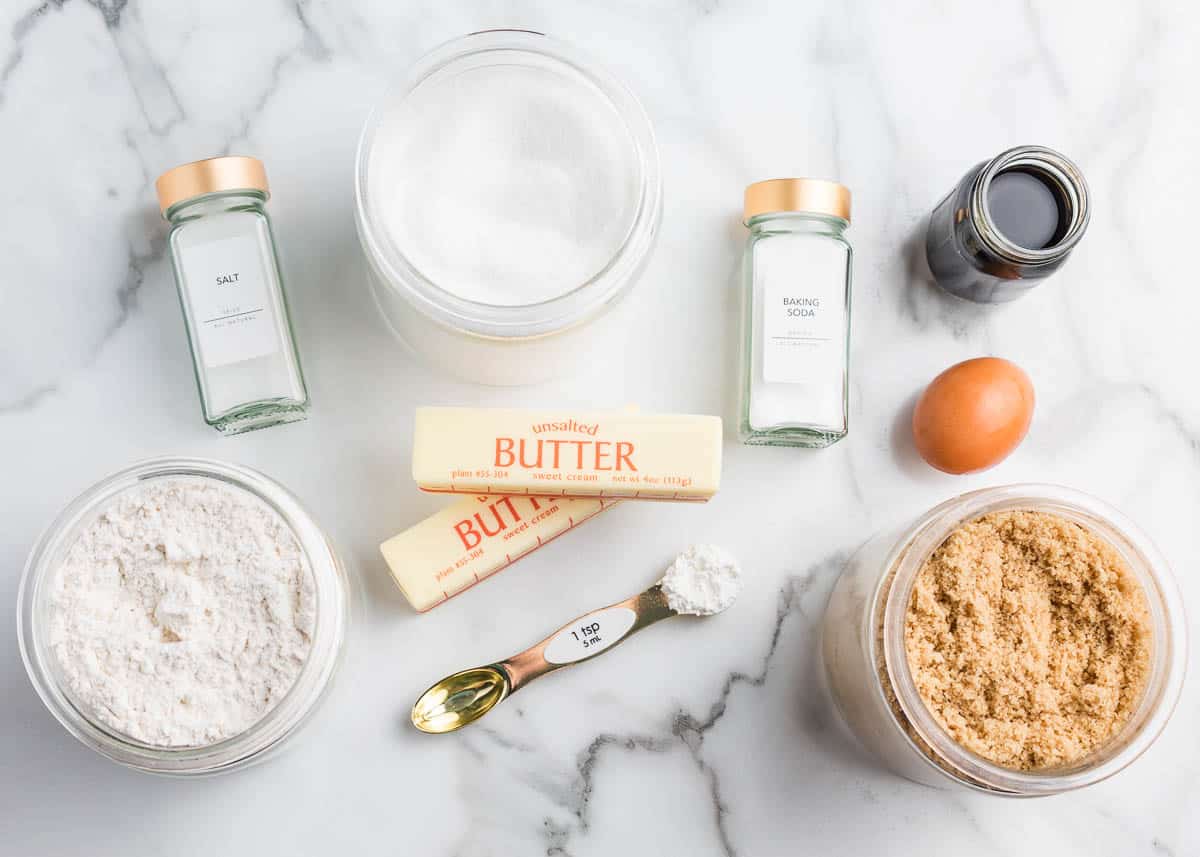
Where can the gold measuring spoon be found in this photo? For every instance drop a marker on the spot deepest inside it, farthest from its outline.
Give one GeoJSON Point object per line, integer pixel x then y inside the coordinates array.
{"type": "Point", "coordinates": [466, 696]}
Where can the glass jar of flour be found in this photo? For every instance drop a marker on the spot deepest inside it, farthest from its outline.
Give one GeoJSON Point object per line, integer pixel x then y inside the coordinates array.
{"type": "Point", "coordinates": [227, 273]}
{"type": "Point", "coordinates": [192, 704]}
{"type": "Point", "coordinates": [796, 321]}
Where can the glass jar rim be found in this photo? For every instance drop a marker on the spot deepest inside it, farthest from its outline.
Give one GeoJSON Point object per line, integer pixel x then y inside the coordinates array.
{"type": "Point", "coordinates": [1058, 168]}
{"type": "Point", "coordinates": [260, 196]}
{"type": "Point", "coordinates": [563, 311]}
{"type": "Point", "coordinates": [1169, 659]}
{"type": "Point", "coordinates": [267, 733]}
{"type": "Point", "coordinates": [757, 220]}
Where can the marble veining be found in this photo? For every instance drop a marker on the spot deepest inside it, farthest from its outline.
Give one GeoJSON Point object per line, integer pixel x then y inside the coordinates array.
{"type": "Point", "coordinates": [706, 737]}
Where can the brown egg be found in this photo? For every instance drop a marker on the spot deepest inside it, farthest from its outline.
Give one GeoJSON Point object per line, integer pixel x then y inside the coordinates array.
{"type": "Point", "coordinates": [973, 415]}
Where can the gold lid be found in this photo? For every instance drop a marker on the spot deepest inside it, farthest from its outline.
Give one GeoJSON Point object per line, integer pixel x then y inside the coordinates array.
{"type": "Point", "coordinates": [212, 175]}
{"type": "Point", "coordinates": [811, 195]}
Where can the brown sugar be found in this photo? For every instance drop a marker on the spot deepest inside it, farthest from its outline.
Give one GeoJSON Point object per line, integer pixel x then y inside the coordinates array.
{"type": "Point", "coordinates": [1028, 638]}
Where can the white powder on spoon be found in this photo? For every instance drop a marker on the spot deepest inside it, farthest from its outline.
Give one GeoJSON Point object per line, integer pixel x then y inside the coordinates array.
{"type": "Point", "coordinates": [183, 613]}
{"type": "Point", "coordinates": [702, 581]}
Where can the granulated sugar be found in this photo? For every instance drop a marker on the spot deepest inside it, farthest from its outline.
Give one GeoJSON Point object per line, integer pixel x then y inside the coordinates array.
{"type": "Point", "coordinates": [506, 184]}
{"type": "Point", "coordinates": [183, 613]}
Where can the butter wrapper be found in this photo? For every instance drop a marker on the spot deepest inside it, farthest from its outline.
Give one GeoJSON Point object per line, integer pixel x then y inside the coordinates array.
{"type": "Point", "coordinates": [475, 537]}
{"type": "Point", "coordinates": [568, 454]}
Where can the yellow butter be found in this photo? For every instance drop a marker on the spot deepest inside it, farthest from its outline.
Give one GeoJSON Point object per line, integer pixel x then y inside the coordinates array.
{"type": "Point", "coordinates": [475, 537]}
{"type": "Point", "coordinates": [567, 453]}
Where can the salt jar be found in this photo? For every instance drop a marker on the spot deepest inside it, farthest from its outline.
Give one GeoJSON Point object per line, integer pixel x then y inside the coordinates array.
{"type": "Point", "coordinates": [227, 273]}
{"type": "Point", "coordinates": [796, 314]}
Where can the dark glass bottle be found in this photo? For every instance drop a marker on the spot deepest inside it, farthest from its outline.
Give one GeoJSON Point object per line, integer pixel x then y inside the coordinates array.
{"type": "Point", "coordinates": [1010, 223]}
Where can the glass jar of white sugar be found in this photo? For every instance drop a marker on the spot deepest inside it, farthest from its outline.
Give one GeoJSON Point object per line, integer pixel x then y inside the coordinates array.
{"type": "Point", "coordinates": [508, 197]}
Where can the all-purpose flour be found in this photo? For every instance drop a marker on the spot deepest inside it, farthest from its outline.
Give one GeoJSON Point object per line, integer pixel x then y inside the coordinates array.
{"type": "Point", "coordinates": [703, 580]}
{"type": "Point", "coordinates": [183, 613]}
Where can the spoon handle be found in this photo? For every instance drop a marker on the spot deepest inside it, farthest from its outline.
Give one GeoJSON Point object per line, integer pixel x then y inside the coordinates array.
{"type": "Point", "coordinates": [586, 637]}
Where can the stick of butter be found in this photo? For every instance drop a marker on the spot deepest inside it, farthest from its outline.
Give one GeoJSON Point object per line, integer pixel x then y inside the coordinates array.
{"type": "Point", "coordinates": [568, 454]}
{"type": "Point", "coordinates": [475, 537]}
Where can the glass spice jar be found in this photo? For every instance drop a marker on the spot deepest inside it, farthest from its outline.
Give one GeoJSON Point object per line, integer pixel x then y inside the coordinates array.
{"type": "Point", "coordinates": [227, 274]}
{"type": "Point", "coordinates": [796, 314]}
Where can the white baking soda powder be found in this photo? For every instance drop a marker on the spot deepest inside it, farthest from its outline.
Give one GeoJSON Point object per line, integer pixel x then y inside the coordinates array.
{"type": "Point", "coordinates": [505, 184]}
{"type": "Point", "coordinates": [702, 581]}
{"type": "Point", "coordinates": [183, 613]}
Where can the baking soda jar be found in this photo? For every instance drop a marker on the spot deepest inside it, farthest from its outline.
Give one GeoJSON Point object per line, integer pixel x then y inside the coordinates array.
{"type": "Point", "coordinates": [796, 314]}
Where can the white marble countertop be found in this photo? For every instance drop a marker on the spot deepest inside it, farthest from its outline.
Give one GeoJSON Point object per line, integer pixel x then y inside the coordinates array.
{"type": "Point", "coordinates": [697, 738]}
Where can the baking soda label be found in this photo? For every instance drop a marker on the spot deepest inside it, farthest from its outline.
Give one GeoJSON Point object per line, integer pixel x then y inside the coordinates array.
{"type": "Point", "coordinates": [801, 323]}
